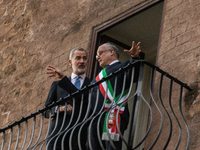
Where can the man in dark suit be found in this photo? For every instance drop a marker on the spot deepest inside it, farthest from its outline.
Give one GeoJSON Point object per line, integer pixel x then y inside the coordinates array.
{"type": "Point", "coordinates": [78, 61]}
{"type": "Point", "coordinates": [108, 58]}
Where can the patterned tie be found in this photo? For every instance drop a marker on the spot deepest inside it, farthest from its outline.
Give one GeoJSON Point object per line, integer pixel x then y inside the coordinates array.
{"type": "Point", "coordinates": [77, 82]}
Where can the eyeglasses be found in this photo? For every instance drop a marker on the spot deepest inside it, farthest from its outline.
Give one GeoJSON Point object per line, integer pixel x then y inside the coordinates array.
{"type": "Point", "coordinates": [101, 52]}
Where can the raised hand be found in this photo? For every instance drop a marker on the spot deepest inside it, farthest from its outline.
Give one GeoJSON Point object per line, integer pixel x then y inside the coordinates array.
{"type": "Point", "coordinates": [54, 72]}
{"type": "Point", "coordinates": [135, 49]}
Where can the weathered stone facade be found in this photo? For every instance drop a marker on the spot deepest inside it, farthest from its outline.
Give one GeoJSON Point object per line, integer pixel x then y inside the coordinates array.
{"type": "Point", "coordinates": [179, 56]}
{"type": "Point", "coordinates": [35, 33]}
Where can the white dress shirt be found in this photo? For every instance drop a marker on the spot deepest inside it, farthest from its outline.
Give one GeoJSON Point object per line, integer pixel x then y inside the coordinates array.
{"type": "Point", "coordinates": [74, 76]}
{"type": "Point", "coordinates": [113, 62]}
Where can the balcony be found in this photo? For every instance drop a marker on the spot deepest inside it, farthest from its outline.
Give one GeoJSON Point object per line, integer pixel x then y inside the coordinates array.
{"type": "Point", "coordinates": [156, 120]}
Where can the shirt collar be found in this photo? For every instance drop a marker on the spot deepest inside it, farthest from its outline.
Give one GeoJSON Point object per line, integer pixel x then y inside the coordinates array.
{"type": "Point", "coordinates": [73, 76]}
{"type": "Point", "coordinates": [113, 62]}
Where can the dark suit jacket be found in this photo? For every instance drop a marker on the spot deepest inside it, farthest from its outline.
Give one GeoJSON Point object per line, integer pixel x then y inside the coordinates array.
{"type": "Point", "coordinates": [60, 89]}
{"type": "Point", "coordinates": [110, 69]}
{"type": "Point", "coordinates": [100, 102]}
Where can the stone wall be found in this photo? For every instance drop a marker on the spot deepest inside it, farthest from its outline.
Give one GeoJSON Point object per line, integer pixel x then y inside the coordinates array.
{"type": "Point", "coordinates": [35, 33]}
{"type": "Point", "coordinates": [179, 55]}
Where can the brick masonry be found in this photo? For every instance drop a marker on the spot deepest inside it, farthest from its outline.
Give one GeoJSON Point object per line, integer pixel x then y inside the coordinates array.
{"type": "Point", "coordinates": [179, 55]}
{"type": "Point", "coordinates": [35, 33]}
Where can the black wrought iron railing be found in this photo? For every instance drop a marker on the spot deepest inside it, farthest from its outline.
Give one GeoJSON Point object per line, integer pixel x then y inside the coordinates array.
{"type": "Point", "coordinates": [156, 119]}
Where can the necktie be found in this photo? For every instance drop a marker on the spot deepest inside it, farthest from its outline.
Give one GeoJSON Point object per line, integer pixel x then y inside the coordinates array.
{"type": "Point", "coordinates": [77, 82]}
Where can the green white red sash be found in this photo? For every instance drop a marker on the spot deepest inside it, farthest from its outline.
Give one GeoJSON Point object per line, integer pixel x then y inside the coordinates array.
{"type": "Point", "coordinates": [112, 125]}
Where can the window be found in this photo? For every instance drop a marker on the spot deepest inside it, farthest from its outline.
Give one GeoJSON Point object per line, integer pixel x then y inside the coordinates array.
{"type": "Point", "coordinates": [142, 24]}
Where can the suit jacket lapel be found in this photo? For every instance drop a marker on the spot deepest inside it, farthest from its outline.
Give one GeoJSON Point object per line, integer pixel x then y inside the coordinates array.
{"type": "Point", "coordinates": [66, 84]}
{"type": "Point", "coordinates": [86, 82]}
{"type": "Point", "coordinates": [110, 68]}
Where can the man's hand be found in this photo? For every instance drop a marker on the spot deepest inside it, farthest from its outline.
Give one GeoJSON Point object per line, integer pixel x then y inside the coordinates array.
{"type": "Point", "coordinates": [135, 50]}
{"type": "Point", "coordinates": [54, 72]}
{"type": "Point", "coordinates": [69, 109]}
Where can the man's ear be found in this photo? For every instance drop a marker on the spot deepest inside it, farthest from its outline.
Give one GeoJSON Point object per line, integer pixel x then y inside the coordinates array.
{"type": "Point", "coordinates": [112, 52]}
{"type": "Point", "coordinates": [70, 62]}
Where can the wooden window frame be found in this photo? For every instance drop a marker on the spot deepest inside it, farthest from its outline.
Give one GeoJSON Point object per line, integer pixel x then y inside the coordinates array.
{"type": "Point", "coordinates": [95, 40]}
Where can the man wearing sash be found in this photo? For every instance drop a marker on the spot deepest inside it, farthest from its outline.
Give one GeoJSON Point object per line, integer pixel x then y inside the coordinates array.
{"type": "Point", "coordinates": [108, 58]}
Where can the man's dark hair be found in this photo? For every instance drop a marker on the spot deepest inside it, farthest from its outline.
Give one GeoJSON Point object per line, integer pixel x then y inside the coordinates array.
{"type": "Point", "coordinates": [73, 50]}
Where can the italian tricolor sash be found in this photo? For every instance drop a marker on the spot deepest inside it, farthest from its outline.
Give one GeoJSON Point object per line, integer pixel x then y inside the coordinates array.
{"type": "Point", "coordinates": [112, 127]}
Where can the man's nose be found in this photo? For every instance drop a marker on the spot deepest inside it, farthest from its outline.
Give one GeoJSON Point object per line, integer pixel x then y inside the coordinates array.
{"type": "Point", "coordinates": [97, 57]}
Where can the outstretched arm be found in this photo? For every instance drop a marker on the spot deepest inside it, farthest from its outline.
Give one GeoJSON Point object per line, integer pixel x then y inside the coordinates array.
{"type": "Point", "coordinates": [135, 49]}
{"type": "Point", "coordinates": [54, 72]}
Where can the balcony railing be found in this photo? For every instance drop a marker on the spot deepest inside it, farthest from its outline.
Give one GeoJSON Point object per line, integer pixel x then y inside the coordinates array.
{"type": "Point", "coordinates": [156, 95]}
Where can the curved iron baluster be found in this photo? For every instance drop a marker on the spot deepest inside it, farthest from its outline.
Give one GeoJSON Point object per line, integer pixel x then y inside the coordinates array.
{"type": "Point", "coordinates": [180, 107]}
{"type": "Point", "coordinates": [139, 94]}
{"type": "Point", "coordinates": [54, 129]}
{"type": "Point", "coordinates": [94, 117]}
{"type": "Point", "coordinates": [89, 133]}
{"type": "Point", "coordinates": [50, 138]}
{"type": "Point", "coordinates": [48, 127]}
{"type": "Point", "coordinates": [98, 130]}
{"type": "Point", "coordinates": [10, 141]}
{"type": "Point", "coordinates": [150, 124]}
{"type": "Point", "coordinates": [65, 132]}
{"type": "Point", "coordinates": [130, 89]}
{"type": "Point", "coordinates": [85, 120]}
{"type": "Point", "coordinates": [17, 136]}
{"type": "Point", "coordinates": [135, 112]}
{"type": "Point", "coordinates": [25, 136]}
{"type": "Point", "coordinates": [162, 118]}
{"type": "Point", "coordinates": [101, 115]}
{"type": "Point", "coordinates": [170, 121]}
{"type": "Point", "coordinates": [40, 132]}
{"type": "Point", "coordinates": [3, 139]}
{"type": "Point", "coordinates": [76, 123]}
{"type": "Point", "coordinates": [180, 131]}
{"type": "Point", "coordinates": [33, 131]}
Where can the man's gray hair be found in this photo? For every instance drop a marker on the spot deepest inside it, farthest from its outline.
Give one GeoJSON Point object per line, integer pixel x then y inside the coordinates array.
{"type": "Point", "coordinates": [73, 50]}
{"type": "Point", "coordinates": [111, 46]}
